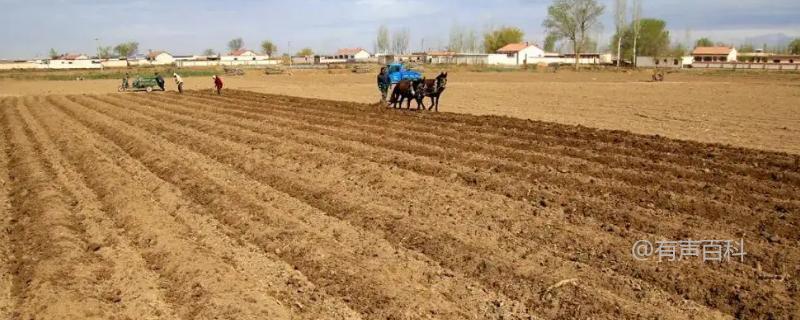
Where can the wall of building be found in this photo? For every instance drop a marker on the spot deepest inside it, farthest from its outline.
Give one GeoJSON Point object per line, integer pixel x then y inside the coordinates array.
{"type": "Point", "coordinates": [163, 59]}
{"type": "Point", "coordinates": [248, 62]}
{"type": "Point", "coordinates": [116, 63]}
{"type": "Point", "coordinates": [663, 62]}
{"type": "Point", "coordinates": [22, 65]}
{"type": "Point", "coordinates": [245, 57]}
{"type": "Point", "coordinates": [501, 59]}
{"type": "Point", "coordinates": [747, 66]}
{"type": "Point", "coordinates": [362, 55]}
{"type": "Point", "coordinates": [74, 64]}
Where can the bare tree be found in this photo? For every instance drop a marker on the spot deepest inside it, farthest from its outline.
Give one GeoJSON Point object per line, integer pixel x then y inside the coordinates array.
{"type": "Point", "coordinates": [400, 41]}
{"type": "Point", "coordinates": [103, 52]}
{"type": "Point", "coordinates": [571, 19]}
{"type": "Point", "coordinates": [456, 43]}
{"type": "Point", "coordinates": [268, 47]}
{"type": "Point", "coordinates": [636, 25]}
{"type": "Point", "coordinates": [236, 44]}
{"type": "Point", "coordinates": [471, 42]}
{"type": "Point", "coordinates": [209, 52]}
{"type": "Point", "coordinates": [620, 20]}
{"type": "Point", "coordinates": [127, 50]}
{"type": "Point", "coordinates": [382, 43]}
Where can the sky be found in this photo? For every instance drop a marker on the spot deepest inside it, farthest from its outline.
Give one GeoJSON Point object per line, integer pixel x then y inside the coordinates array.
{"type": "Point", "coordinates": [182, 27]}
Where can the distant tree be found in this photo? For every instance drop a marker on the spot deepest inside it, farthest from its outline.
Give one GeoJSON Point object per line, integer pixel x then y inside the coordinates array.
{"type": "Point", "coordinates": [636, 27]}
{"type": "Point", "coordinates": [746, 48]}
{"type": "Point", "coordinates": [104, 52]}
{"type": "Point", "coordinates": [268, 47]}
{"type": "Point", "coordinates": [382, 44]}
{"type": "Point", "coordinates": [498, 38]}
{"type": "Point", "coordinates": [127, 50]}
{"type": "Point", "coordinates": [471, 42]}
{"type": "Point", "coordinates": [236, 44]}
{"type": "Point", "coordinates": [653, 39]}
{"type": "Point", "coordinates": [571, 19]}
{"type": "Point", "coordinates": [550, 43]}
{"type": "Point", "coordinates": [794, 46]}
{"type": "Point", "coordinates": [679, 50]}
{"type": "Point", "coordinates": [209, 52]}
{"type": "Point", "coordinates": [704, 42]}
{"type": "Point", "coordinates": [400, 41]}
{"type": "Point", "coordinates": [463, 40]}
{"type": "Point", "coordinates": [53, 53]}
{"type": "Point", "coordinates": [456, 43]}
{"type": "Point", "coordinates": [620, 21]}
{"type": "Point", "coordinates": [305, 52]}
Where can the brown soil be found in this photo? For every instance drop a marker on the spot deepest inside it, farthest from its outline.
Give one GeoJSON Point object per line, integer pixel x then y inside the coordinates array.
{"type": "Point", "coordinates": [253, 206]}
{"type": "Point", "coordinates": [755, 110]}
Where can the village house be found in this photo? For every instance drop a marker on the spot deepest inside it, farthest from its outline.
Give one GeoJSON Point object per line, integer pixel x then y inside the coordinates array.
{"type": "Point", "coordinates": [243, 55]}
{"type": "Point", "coordinates": [352, 54]}
{"type": "Point", "coordinates": [714, 54]}
{"type": "Point", "coordinates": [516, 54]}
{"type": "Point", "coordinates": [160, 58]}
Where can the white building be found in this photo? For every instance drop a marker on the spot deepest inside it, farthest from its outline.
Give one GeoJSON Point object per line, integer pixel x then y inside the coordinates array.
{"type": "Point", "coordinates": [714, 54]}
{"type": "Point", "coordinates": [73, 61]}
{"type": "Point", "coordinates": [243, 55]}
{"type": "Point", "coordinates": [664, 62]}
{"type": "Point", "coordinates": [160, 58]}
{"type": "Point", "coordinates": [350, 54]}
{"type": "Point", "coordinates": [516, 54]}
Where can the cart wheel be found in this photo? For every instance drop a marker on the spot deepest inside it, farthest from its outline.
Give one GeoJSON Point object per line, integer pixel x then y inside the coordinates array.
{"type": "Point", "coordinates": [120, 89]}
{"type": "Point", "coordinates": [149, 89]}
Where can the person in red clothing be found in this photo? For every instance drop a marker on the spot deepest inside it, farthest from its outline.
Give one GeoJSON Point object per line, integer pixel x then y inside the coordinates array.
{"type": "Point", "coordinates": [218, 84]}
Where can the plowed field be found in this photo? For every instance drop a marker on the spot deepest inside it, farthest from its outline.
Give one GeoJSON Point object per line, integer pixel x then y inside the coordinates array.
{"type": "Point", "coordinates": [251, 206]}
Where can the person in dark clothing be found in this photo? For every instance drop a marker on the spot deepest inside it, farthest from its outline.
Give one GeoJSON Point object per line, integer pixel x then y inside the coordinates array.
{"type": "Point", "coordinates": [160, 81]}
{"type": "Point", "coordinates": [383, 84]}
{"type": "Point", "coordinates": [218, 84]}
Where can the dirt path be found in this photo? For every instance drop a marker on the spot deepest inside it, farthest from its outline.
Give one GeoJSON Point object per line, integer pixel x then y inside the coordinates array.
{"type": "Point", "coordinates": [249, 206]}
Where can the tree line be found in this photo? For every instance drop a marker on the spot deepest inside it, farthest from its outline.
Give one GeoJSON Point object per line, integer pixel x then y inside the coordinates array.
{"type": "Point", "coordinates": [568, 22]}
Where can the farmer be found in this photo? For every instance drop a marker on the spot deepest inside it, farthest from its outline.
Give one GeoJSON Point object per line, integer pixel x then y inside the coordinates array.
{"type": "Point", "coordinates": [383, 84]}
{"type": "Point", "coordinates": [218, 84]}
{"type": "Point", "coordinates": [160, 81]}
{"type": "Point", "coordinates": [179, 82]}
{"type": "Point", "coordinates": [125, 83]}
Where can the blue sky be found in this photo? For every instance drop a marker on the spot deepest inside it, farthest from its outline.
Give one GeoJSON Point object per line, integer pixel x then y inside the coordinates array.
{"type": "Point", "coordinates": [32, 27]}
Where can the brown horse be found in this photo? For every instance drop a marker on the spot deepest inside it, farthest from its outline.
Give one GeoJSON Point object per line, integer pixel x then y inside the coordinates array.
{"type": "Point", "coordinates": [433, 88]}
{"type": "Point", "coordinates": [407, 90]}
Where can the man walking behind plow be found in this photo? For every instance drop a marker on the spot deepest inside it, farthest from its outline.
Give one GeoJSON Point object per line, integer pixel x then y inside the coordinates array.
{"type": "Point", "coordinates": [383, 84]}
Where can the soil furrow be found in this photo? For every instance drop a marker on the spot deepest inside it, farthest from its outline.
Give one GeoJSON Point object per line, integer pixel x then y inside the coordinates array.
{"type": "Point", "coordinates": [718, 199]}
{"type": "Point", "coordinates": [292, 289]}
{"type": "Point", "coordinates": [615, 218]}
{"type": "Point", "coordinates": [209, 288]}
{"type": "Point", "coordinates": [53, 267]}
{"type": "Point", "coordinates": [366, 209]}
{"type": "Point", "coordinates": [7, 303]}
{"type": "Point", "coordinates": [515, 180]}
{"type": "Point", "coordinates": [123, 277]}
{"type": "Point", "coordinates": [373, 281]}
{"type": "Point", "coordinates": [579, 140]}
